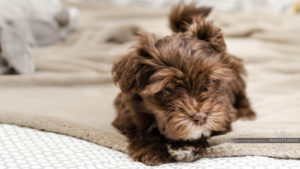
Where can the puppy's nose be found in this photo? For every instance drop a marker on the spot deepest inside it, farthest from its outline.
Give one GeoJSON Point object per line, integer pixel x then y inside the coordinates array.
{"type": "Point", "coordinates": [200, 118]}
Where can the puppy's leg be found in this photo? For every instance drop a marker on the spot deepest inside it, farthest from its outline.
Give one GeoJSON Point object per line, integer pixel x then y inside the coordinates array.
{"type": "Point", "coordinates": [149, 150]}
{"type": "Point", "coordinates": [144, 145]}
{"type": "Point", "coordinates": [242, 104]}
{"type": "Point", "coordinates": [243, 107]}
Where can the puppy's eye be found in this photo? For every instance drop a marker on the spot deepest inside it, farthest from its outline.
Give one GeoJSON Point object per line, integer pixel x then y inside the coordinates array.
{"type": "Point", "coordinates": [205, 89]}
{"type": "Point", "coordinates": [208, 81]}
{"type": "Point", "coordinates": [167, 91]}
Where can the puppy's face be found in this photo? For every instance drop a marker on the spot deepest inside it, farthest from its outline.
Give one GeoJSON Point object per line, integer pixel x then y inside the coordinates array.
{"type": "Point", "coordinates": [181, 79]}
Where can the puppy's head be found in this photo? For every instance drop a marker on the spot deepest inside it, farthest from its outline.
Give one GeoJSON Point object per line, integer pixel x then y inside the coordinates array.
{"type": "Point", "coordinates": [181, 79]}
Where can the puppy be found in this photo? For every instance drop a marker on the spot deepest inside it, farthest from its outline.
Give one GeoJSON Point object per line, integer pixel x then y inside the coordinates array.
{"type": "Point", "coordinates": [178, 90]}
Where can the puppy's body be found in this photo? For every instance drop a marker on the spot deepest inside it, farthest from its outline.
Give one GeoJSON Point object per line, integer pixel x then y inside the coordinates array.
{"type": "Point", "coordinates": [186, 84]}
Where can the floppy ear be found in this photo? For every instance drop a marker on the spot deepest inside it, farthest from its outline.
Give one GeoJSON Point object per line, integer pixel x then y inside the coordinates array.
{"type": "Point", "coordinates": [206, 31]}
{"type": "Point", "coordinates": [132, 71]}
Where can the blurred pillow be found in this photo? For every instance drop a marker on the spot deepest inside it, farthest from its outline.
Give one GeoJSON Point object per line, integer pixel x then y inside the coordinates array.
{"type": "Point", "coordinates": [30, 23]}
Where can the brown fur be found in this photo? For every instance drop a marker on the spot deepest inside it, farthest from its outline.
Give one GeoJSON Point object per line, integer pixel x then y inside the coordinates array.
{"type": "Point", "coordinates": [170, 80]}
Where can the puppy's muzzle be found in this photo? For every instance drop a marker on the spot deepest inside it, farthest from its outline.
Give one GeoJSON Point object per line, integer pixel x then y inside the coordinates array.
{"type": "Point", "coordinates": [200, 118]}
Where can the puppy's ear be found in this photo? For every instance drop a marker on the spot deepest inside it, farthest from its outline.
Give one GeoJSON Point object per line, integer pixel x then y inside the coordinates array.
{"type": "Point", "coordinates": [132, 71]}
{"type": "Point", "coordinates": [206, 31]}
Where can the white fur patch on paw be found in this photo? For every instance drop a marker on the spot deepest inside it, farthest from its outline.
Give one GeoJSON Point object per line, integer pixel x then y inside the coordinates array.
{"type": "Point", "coordinates": [183, 154]}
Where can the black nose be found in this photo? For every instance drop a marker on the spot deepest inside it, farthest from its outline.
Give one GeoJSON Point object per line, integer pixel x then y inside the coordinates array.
{"type": "Point", "coordinates": [200, 118]}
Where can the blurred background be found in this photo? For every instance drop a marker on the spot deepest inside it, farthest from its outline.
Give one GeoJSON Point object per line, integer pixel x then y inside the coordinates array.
{"type": "Point", "coordinates": [224, 5]}
{"type": "Point", "coordinates": [29, 23]}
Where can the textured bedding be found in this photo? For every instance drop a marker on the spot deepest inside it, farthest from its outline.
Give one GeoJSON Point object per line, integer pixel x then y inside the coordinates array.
{"type": "Point", "coordinates": [28, 148]}
{"type": "Point", "coordinates": [72, 93]}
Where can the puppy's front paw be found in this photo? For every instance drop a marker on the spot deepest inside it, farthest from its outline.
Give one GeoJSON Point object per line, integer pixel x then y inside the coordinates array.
{"type": "Point", "coordinates": [183, 154]}
{"type": "Point", "coordinates": [154, 159]}
{"type": "Point", "coordinates": [149, 157]}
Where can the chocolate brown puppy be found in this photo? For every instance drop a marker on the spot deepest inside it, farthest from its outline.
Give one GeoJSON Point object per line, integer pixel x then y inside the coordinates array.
{"type": "Point", "coordinates": [178, 90]}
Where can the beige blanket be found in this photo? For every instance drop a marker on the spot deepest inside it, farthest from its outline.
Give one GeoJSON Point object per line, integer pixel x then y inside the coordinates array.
{"type": "Point", "coordinates": [72, 92]}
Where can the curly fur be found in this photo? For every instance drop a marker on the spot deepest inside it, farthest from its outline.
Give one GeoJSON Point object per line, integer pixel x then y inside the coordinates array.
{"type": "Point", "coordinates": [170, 82]}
